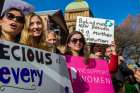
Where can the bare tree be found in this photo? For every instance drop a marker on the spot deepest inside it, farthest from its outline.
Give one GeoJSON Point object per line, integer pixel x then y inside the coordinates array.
{"type": "Point", "coordinates": [129, 41]}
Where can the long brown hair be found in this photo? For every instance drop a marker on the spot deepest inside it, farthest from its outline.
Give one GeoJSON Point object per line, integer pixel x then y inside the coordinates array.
{"type": "Point", "coordinates": [83, 51]}
{"type": "Point", "coordinates": [68, 51]}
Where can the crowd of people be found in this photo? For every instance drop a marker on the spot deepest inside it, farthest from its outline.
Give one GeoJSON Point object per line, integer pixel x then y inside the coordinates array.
{"type": "Point", "coordinates": [29, 30]}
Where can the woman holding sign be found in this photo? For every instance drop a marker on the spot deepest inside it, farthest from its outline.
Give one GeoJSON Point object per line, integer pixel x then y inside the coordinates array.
{"type": "Point", "coordinates": [11, 22]}
{"type": "Point", "coordinates": [110, 55]}
{"type": "Point", "coordinates": [87, 76]}
{"type": "Point", "coordinates": [75, 50]}
{"type": "Point", "coordinates": [33, 33]}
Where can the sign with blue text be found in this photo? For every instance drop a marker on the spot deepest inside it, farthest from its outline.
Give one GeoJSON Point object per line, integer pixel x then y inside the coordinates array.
{"type": "Point", "coordinates": [24, 69]}
{"type": "Point", "coordinates": [96, 30]}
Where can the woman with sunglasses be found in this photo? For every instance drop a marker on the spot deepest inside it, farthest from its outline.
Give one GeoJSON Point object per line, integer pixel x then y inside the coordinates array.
{"type": "Point", "coordinates": [81, 69]}
{"type": "Point", "coordinates": [75, 44]}
{"type": "Point", "coordinates": [96, 51]}
{"type": "Point", "coordinates": [33, 33]}
{"type": "Point", "coordinates": [12, 23]}
{"type": "Point", "coordinates": [110, 55]}
{"type": "Point", "coordinates": [74, 57]}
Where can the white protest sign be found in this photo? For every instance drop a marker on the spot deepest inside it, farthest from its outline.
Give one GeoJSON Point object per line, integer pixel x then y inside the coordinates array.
{"type": "Point", "coordinates": [96, 30]}
{"type": "Point", "coordinates": [25, 69]}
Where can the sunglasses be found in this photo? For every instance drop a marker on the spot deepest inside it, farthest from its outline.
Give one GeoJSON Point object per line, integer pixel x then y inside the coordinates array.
{"type": "Point", "coordinates": [11, 16]}
{"type": "Point", "coordinates": [75, 40]}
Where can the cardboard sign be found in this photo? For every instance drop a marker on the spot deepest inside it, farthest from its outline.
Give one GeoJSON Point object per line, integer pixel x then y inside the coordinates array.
{"type": "Point", "coordinates": [91, 78]}
{"type": "Point", "coordinates": [96, 30]}
{"type": "Point", "coordinates": [25, 69]}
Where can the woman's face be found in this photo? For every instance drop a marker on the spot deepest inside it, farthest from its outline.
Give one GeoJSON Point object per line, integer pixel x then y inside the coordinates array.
{"type": "Point", "coordinates": [98, 54]}
{"type": "Point", "coordinates": [76, 42]}
{"type": "Point", "coordinates": [51, 39]}
{"type": "Point", "coordinates": [98, 51]}
{"type": "Point", "coordinates": [12, 23]}
{"type": "Point", "coordinates": [108, 52]}
{"type": "Point", "coordinates": [36, 26]}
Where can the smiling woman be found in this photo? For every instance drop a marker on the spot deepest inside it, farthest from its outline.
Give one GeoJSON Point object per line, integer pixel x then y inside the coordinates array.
{"type": "Point", "coordinates": [33, 33]}
{"type": "Point", "coordinates": [75, 44]}
{"type": "Point", "coordinates": [11, 23]}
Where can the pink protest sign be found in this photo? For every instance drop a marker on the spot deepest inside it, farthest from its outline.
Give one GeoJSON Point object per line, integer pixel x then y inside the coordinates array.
{"type": "Point", "coordinates": [91, 78]}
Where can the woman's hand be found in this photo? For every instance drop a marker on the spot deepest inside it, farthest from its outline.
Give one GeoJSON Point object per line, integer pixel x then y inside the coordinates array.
{"type": "Point", "coordinates": [137, 75]}
{"type": "Point", "coordinates": [113, 48]}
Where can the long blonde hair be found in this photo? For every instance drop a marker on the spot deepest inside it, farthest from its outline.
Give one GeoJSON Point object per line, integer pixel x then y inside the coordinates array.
{"type": "Point", "coordinates": [27, 36]}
